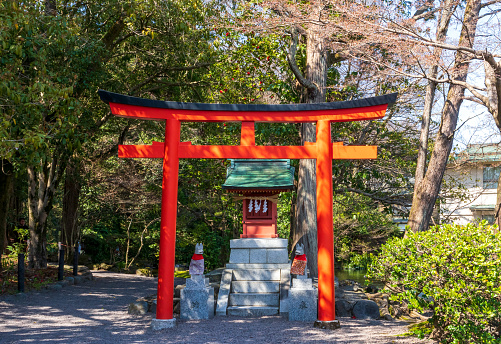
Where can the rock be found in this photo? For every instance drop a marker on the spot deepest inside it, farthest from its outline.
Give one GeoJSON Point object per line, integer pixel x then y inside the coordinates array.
{"type": "Point", "coordinates": [366, 309]}
{"type": "Point", "coordinates": [83, 268]}
{"type": "Point", "coordinates": [215, 275]}
{"type": "Point", "coordinates": [138, 308]}
{"type": "Point", "coordinates": [70, 280]}
{"type": "Point", "coordinates": [177, 307]}
{"type": "Point", "coordinates": [63, 283]}
{"type": "Point", "coordinates": [77, 279]}
{"type": "Point", "coordinates": [336, 282]}
{"type": "Point", "coordinates": [177, 290]}
{"type": "Point", "coordinates": [104, 266]}
{"type": "Point", "coordinates": [388, 317]}
{"type": "Point", "coordinates": [152, 306]}
{"type": "Point", "coordinates": [371, 289]}
{"type": "Point", "coordinates": [343, 308]}
{"type": "Point", "coordinates": [353, 296]}
{"type": "Point", "coordinates": [54, 287]}
{"type": "Point", "coordinates": [148, 272]}
{"type": "Point", "coordinates": [339, 293]}
{"type": "Point", "coordinates": [148, 298]}
{"type": "Point", "coordinates": [87, 276]}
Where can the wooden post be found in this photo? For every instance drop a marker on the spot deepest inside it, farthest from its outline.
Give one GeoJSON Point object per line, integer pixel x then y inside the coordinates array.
{"type": "Point", "coordinates": [325, 235]}
{"type": "Point", "coordinates": [168, 222]}
{"type": "Point", "coordinates": [247, 134]}
{"type": "Point", "coordinates": [20, 272]}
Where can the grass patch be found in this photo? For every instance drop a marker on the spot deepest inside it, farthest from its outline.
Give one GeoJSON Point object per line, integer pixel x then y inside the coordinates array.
{"type": "Point", "coordinates": [182, 274]}
{"type": "Point", "coordinates": [421, 330]}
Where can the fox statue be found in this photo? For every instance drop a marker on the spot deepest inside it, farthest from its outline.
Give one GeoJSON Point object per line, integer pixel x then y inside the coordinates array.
{"type": "Point", "coordinates": [300, 261]}
{"type": "Point", "coordinates": [197, 261]}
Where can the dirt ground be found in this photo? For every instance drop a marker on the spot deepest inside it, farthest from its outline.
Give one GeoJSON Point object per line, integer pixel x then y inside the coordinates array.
{"type": "Point", "coordinates": [96, 312]}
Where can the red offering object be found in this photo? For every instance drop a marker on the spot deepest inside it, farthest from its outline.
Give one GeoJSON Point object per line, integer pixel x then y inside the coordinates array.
{"type": "Point", "coordinates": [299, 265]}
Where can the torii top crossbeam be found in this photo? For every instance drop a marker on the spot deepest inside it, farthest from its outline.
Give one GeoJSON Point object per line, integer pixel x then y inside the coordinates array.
{"type": "Point", "coordinates": [323, 150]}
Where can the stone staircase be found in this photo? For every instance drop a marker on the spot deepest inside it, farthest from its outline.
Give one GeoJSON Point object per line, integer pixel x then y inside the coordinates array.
{"type": "Point", "coordinates": [254, 292]}
{"type": "Point", "coordinates": [256, 281]}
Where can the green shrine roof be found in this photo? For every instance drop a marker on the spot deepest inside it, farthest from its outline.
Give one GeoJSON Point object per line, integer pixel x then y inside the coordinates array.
{"type": "Point", "coordinates": [259, 174]}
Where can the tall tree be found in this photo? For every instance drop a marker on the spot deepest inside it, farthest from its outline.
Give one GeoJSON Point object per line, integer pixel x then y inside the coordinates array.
{"type": "Point", "coordinates": [314, 83]}
{"type": "Point", "coordinates": [426, 191]}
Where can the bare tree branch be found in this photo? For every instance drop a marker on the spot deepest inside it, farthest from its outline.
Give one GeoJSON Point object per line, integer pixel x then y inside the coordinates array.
{"type": "Point", "coordinates": [291, 59]}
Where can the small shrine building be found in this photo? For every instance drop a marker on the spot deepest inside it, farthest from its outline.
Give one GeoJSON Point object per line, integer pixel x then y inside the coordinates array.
{"type": "Point", "coordinates": [258, 182]}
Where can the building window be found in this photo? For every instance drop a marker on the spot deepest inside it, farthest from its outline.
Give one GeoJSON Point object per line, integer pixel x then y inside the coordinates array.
{"type": "Point", "coordinates": [490, 219]}
{"type": "Point", "coordinates": [491, 176]}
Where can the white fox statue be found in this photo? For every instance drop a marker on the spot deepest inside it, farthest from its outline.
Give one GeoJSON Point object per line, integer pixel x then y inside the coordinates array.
{"type": "Point", "coordinates": [197, 261]}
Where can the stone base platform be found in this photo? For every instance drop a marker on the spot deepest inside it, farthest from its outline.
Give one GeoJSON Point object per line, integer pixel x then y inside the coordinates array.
{"type": "Point", "coordinates": [160, 324]}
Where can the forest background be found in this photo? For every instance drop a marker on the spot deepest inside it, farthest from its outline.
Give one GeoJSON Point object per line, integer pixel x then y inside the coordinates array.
{"type": "Point", "coordinates": [60, 169]}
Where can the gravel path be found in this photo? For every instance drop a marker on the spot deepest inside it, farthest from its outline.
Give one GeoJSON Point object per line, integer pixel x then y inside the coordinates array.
{"type": "Point", "coordinates": [96, 312]}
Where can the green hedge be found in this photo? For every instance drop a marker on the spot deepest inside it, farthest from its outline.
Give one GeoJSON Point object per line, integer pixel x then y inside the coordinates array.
{"type": "Point", "coordinates": [453, 270]}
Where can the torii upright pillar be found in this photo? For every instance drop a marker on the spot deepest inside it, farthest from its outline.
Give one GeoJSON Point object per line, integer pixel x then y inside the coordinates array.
{"type": "Point", "coordinates": [325, 234]}
{"type": "Point", "coordinates": [166, 260]}
{"type": "Point", "coordinates": [323, 150]}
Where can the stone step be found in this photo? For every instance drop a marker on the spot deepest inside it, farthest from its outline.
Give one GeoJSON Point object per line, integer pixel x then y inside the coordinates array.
{"type": "Point", "coordinates": [249, 311]}
{"type": "Point", "coordinates": [256, 275]}
{"type": "Point", "coordinates": [254, 299]}
{"type": "Point", "coordinates": [236, 266]}
{"type": "Point", "coordinates": [255, 287]}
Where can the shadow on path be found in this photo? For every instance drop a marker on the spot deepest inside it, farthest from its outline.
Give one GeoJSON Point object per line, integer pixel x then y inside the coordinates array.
{"type": "Point", "coordinates": [96, 312]}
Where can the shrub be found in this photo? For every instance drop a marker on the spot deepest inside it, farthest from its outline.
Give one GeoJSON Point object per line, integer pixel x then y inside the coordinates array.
{"type": "Point", "coordinates": [454, 271]}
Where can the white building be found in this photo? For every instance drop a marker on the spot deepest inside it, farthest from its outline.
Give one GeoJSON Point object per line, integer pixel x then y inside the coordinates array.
{"type": "Point", "coordinates": [476, 171]}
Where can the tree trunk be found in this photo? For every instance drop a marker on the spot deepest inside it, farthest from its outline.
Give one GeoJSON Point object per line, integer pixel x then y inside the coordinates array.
{"type": "Point", "coordinates": [427, 190]}
{"type": "Point", "coordinates": [448, 8]}
{"type": "Point", "coordinates": [305, 228]}
{"type": "Point", "coordinates": [69, 228]}
{"type": "Point", "coordinates": [492, 82]}
{"type": "Point", "coordinates": [6, 184]}
{"type": "Point", "coordinates": [42, 182]}
{"type": "Point", "coordinates": [37, 248]}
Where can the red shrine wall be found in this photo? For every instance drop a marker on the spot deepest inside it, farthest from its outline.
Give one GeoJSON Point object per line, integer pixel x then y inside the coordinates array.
{"type": "Point", "coordinates": [260, 219]}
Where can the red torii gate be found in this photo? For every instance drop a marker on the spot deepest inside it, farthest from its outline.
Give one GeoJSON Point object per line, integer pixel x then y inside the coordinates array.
{"type": "Point", "coordinates": [323, 150]}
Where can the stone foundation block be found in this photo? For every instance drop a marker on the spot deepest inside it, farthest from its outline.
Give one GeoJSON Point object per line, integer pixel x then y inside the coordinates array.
{"type": "Point", "coordinates": [197, 303]}
{"type": "Point", "coordinates": [257, 255]}
{"type": "Point", "coordinates": [258, 243]}
{"type": "Point", "coordinates": [161, 324]}
{"type": "Point", "coordinates": [239, 256]}
{"type": "Point", "coordinates": [197, 282]}
{"type": "Point", "coordinates": [302, 283]}
{"type": "Point", "coordinates": [277, 256]}
{"type": "Point", "coordinates": [302, 305]}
